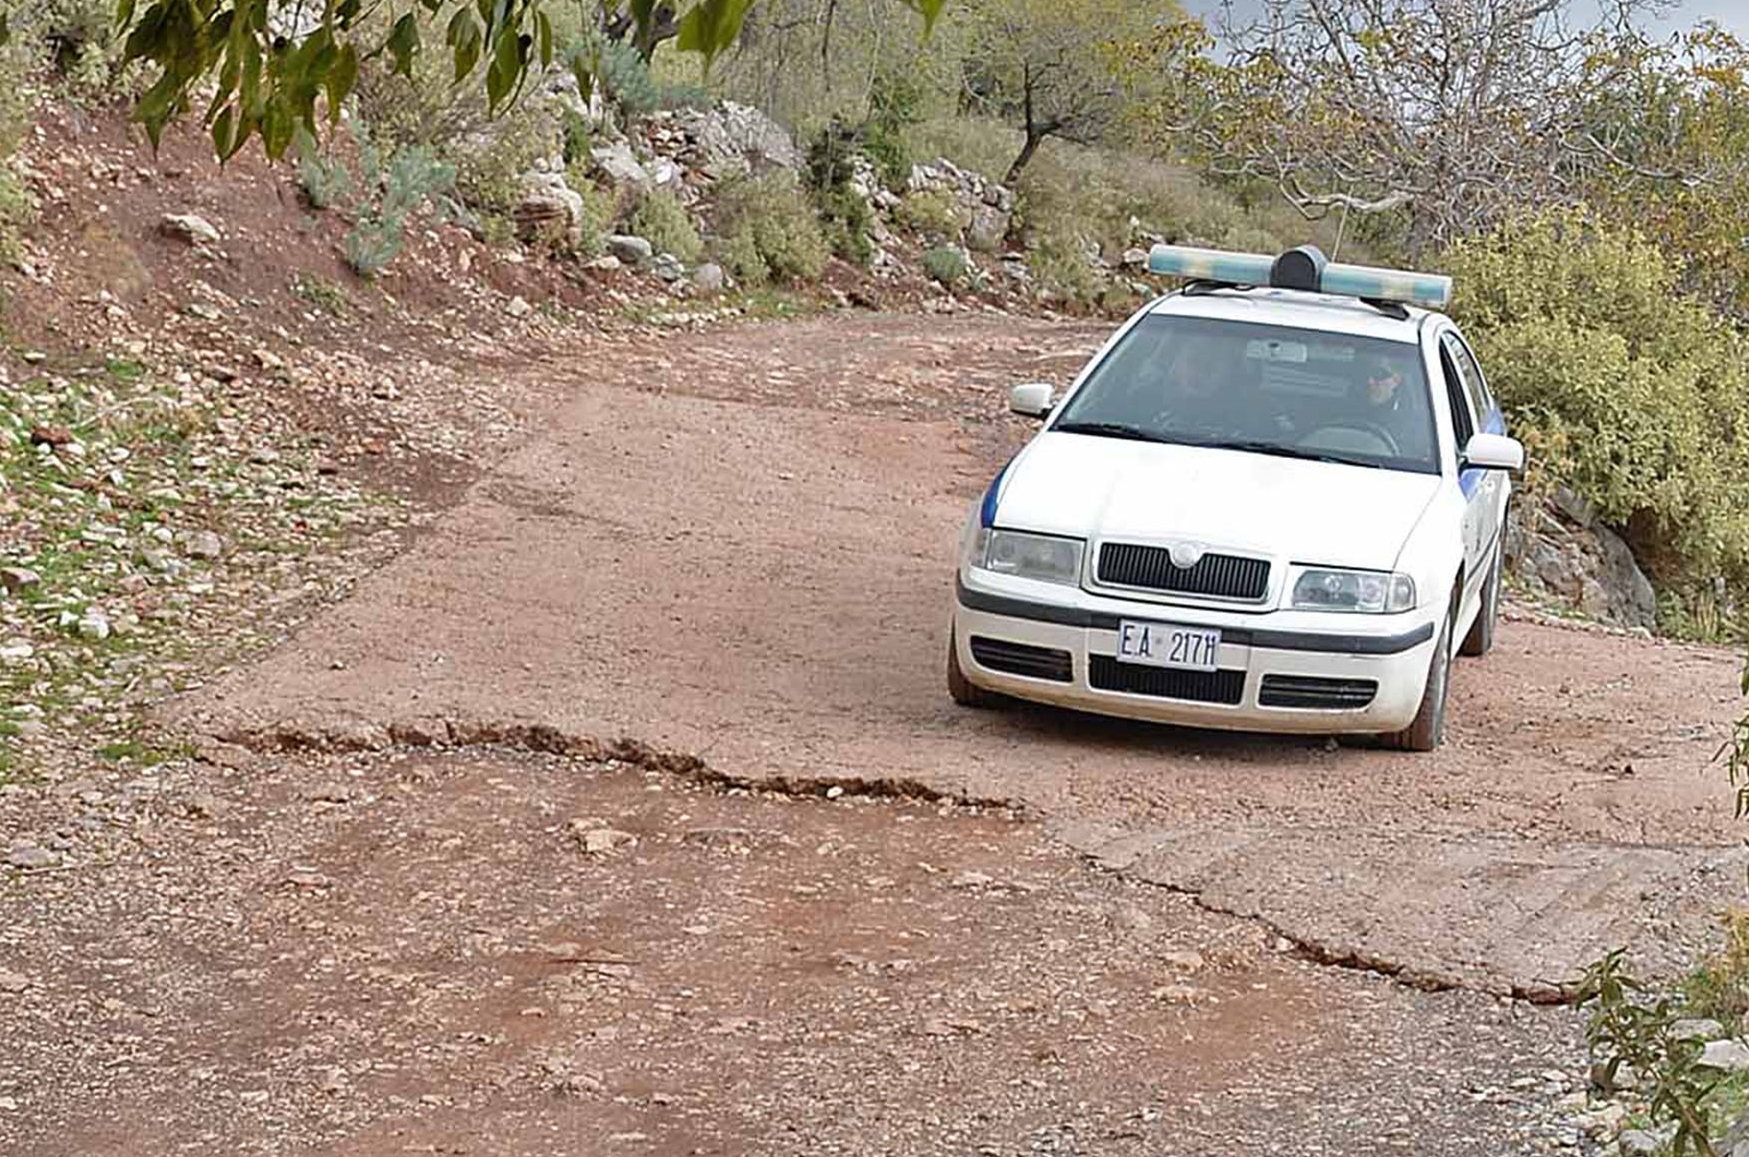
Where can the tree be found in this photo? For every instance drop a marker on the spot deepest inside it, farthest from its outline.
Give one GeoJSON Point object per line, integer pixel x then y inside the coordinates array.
{"type": "Point", "coordinates": [1449, 114]}
{"type": "Point", "coordinates": [270, 63]}
{"type": "Point", "coordinates": [1052, 66]}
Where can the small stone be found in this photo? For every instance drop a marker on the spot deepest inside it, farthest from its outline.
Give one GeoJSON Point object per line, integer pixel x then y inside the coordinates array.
{"type": "Point", "coordinates": [18, 578]}
{"type": "Point", "coordinates": [15, 651]}
{"type": "Point", "coordinates": [95, 625]}
{"type": "Point", "coordinates": [604, 841]}
{"type": "Point", "coordinates": [268, 360]}
{"type": "Point", "coordinates": [668, 267]}
{"type": "Point", "coordinates": [1639, 1143]}
{"type": "Point", "coordinates": [13, 982]}
{"type": "Point", "coordinates": [203, 544]}
{"type": "Point", "coordinates": [972, 880]}
{"type": "Point", "coordinates": [30, 857]}
{"type": "Point", "coordinates": [194, 229]}
{"type": "Point", "coordinates": [607, 263]}
{"type": "Point", "coordinates": [253, 1096]}
{"type": "Point", "coordinates": [1697, 1028]}
{"type": "Point", "coordinates": [1186, 960]}
{"type": "Point", "coordinates": [518, 307]}
{"type": "Point", "coordinates": [1731, 1056]}
{"type": "Point", "coordinates": [53, 436]}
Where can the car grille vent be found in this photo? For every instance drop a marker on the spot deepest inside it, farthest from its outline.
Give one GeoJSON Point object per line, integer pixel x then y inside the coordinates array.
{"type": "Point", "coordinates": [1221, 576]}
{"type": "Point", "coordinates": [1224, 687]}
{"type": "Point", "coordinates": [1023, 659]}
{"type": "Point", "coordinates": [1326, 694]}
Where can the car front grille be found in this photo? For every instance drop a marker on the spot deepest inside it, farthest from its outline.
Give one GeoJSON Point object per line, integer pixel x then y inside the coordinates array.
{"type": "Point", "coordinates": [1107, 674]}
{"type": "Point", "coordinates": [1221, 576]}
{"type": "Point", "coordinates": [1324, 694]}
{"type": "Point", "coordinates": [1023, 659]}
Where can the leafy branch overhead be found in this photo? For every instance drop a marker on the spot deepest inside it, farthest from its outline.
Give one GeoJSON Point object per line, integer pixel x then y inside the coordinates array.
{"type": "Point", "coordinates": [270, 64]}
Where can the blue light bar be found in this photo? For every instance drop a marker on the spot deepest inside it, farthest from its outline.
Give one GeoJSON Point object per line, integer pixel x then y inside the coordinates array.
{"type": "Point", "coordinates": [1428, 290]}
{"type": "Point", "coordinates": [1210, 265]}
{"type": "Point", "coordinates": [1305, 268]}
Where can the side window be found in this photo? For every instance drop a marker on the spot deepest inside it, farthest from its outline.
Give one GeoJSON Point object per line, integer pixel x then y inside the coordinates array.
{"type": "Point", "coordinates": [1480, 402]}
{"type": "Point", "coordinates": [1463, 418]}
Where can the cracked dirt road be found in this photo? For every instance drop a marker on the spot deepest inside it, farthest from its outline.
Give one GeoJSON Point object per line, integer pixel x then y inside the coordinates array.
{"type": "Point", "coordinates": [739, 548]}
{"type": "Point", "coordinates": [729, 556]}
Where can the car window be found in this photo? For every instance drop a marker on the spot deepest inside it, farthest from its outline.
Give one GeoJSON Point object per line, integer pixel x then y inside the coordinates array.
{"type": "Point", "coordinates": [1481, 404]}
{"type": "Point", "coordinates": [1276, 388]}
{"type": "Point", "coordinates": [1463, 419]}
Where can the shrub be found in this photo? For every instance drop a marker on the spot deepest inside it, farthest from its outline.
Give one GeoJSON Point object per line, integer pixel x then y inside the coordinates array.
{"type": "Point", "coordinates": [933, 213]}
{"type": "Point", "coordinates": [489, 170]}
{"type": "Point", "coordinates": [894, 103]}
{"type": "Point", "coordinates": [845, 217]}
{"type": "Point", "coordinates": [768, 230]}
{"type": "Point", "coordinates": [17, 211]}
{"type": "Point", "coordinates": [1623, 389]}
{"type": "Point", "coordinates": [380, 196]}
{"type": "Point", "coordinates": [1060, 264]}
{"type": "Point", "coordinates": [663, 221]}
{"type": "Point", "coordinates": [946, 265]}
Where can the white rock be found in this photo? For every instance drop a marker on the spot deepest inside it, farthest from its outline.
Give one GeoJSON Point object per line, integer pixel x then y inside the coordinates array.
{"type": "Point", "coordinates": [518, 307]}
{"type": "Point", "coordinates": [1732, 1056]}
{"type": "Point", "coordinates": [203, 544]}
{"type": "Point", "coordinates": [191, 228]}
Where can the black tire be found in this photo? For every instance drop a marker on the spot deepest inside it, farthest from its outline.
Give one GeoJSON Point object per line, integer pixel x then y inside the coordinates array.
{"type": "Point", "coordinates": [1428, 729]}
{"type": "Point", "coordinates": [1480, 640]}
{"type": "Point", "coordinates": [964, 692]}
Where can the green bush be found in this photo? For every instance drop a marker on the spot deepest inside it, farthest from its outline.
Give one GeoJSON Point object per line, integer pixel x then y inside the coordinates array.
{"type": "Point", "coordinates": [933, 212]}
{"type": "Point", "coordinates": [1061, 265]}
{"type": "Point", "coordinates": [599, 206]}
{"type": "Point", "coordinates": [946, 265]}
{"type": "Point", "coordinates": [379, 196]}
{"type": "Point", "coordinates": [1623, 389]}
{"type": "Point", "coordinates": [894, 101]}
{"type": "Point", "coordinates": [663, 221]}
{"type": "Point", "coordinates": [844, 216]}
{"type": "Point", "coordinates": [17, 211]}
{"type": "Point", "coordinates": [768, 230]}
{"type": "Point", "coordinates": [489, 171]}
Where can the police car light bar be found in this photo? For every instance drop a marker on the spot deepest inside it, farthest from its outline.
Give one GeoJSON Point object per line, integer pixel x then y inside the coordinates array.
{"type": "Point", "coordinates": [1304, 268]}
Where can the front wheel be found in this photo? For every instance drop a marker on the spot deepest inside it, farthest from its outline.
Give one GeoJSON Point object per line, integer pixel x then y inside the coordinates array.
{"type": "Point", "coordinates": [1428, 729]}
{"type": "Point", "coordinates": [963, 690]}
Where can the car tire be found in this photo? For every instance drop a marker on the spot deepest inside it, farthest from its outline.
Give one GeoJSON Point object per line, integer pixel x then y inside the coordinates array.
{"type": "Point", "coordinates": [963, 690]}
{"type": "Point", "coordinates": [1480, 640]}
{"type": "Point", "coordinates": [1428, 729]}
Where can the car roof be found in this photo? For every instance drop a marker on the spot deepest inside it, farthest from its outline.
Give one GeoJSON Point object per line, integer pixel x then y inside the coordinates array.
{"type": "Point", "coordinates": [1296, 309]}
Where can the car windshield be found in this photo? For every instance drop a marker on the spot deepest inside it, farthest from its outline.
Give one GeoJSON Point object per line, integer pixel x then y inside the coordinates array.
{"type": "Point", "coordinates": [1263, 389]}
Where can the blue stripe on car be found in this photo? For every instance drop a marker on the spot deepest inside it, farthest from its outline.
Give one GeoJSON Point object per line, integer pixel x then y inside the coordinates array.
{"type": "Point", "coordinates": [987, 513]}
{"type": "Point", "coordinates": [1470, 479]}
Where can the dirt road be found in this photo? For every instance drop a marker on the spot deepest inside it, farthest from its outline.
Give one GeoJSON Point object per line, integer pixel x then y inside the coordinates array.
{"type": "Point", "coordinates": [739, 548]}
{"type": "Point", "coordinates": [719, 577]}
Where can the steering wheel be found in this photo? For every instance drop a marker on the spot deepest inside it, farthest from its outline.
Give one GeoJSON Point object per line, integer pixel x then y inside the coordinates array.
{"type": "Point", "coordinates": [1358, 425]}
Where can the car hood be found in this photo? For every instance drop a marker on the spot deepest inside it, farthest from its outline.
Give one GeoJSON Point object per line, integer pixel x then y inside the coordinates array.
{"type": "Point", "coordinates": [1298, 511]}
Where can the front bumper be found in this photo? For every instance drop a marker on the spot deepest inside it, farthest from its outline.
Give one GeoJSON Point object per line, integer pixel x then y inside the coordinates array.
{"type": "Point", "coordinates": [1265, 661]}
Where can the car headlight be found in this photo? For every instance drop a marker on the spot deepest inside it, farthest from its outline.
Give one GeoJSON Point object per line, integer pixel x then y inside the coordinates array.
{"type": "Point", "coordinates": [1034, 556]}
{"type": "Point", "coordinates": [1368, 591]}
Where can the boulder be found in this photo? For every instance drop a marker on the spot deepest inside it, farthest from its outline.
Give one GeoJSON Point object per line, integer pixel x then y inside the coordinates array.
{"type": "Point", "coordinates": [708, 278]}
{"type": "Point", "coordinates": [668, 267]}
{"type": "Point", "coordinates": [549, 208]}
{"type": "Point", "coordinates": [988, 229]}
{"type": "Point", "coordinates": [1559, 550]}
{"type": "Point", "coordinates": [630, 250]}
{"type": "Point", "coordinates": [621, 166]}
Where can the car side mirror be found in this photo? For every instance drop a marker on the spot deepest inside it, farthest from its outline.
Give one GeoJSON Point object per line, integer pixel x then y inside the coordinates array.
{"type": "Point", "coordinates": [1493, 452]}
{"type": "Point", "coordinates": [1032, 400]}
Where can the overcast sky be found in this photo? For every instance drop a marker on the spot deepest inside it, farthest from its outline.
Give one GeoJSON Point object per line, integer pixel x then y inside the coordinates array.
{"type": "Point", "coordinates": [1731, 14]}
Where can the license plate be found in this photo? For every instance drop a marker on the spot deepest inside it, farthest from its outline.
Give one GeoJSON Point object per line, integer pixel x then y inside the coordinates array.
{"type": "Point", "coordinates": [1165, 645]}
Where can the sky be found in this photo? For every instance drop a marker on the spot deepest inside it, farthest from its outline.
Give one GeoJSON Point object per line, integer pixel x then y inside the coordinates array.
{"type": "Point", "coordinates": [1730, 14]}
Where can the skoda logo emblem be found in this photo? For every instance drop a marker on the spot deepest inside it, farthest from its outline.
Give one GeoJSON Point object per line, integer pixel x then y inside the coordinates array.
{"type": "Point", "coordinates": [1185, 555]}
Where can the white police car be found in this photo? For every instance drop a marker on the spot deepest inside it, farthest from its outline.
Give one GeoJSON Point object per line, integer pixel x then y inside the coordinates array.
{"type": "Point", "coordinates": [1273, 501]}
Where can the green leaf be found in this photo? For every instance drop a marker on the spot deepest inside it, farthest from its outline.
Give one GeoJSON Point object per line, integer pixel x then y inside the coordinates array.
{"type": "Point", "coordinates": [930, 10]}
{"type": "Point", "coordinates": [341, 79]}
{"type": "Point", "coordinates": [6, 31]}
{"type": "Point", "coordinates": [403, 43]}
{"type": "Point", "coordinates": [225, 142]}
{"type": "Point", "coordinates": [711, 26]}
{"type": "Point", "coordinates": [544, 29]}
{"type": "Point", "coordinates": [464, 38]}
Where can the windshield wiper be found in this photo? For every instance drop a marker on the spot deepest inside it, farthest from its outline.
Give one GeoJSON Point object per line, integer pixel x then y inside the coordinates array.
{"type": "Point", "coordinates": [1112, 430]}
{"type": "Point", "coordinates": [1280, 451]}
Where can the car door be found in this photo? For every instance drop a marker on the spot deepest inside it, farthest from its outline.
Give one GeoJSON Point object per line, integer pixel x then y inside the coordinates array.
{"type": "Point", "coordinates": [1489, 486]}
{"type": "Point", "coordinates": [1463, 426]}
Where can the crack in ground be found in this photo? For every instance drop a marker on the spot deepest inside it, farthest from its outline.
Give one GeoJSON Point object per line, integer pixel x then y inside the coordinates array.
{"type": "Point", "coordinates": [546, 739]}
